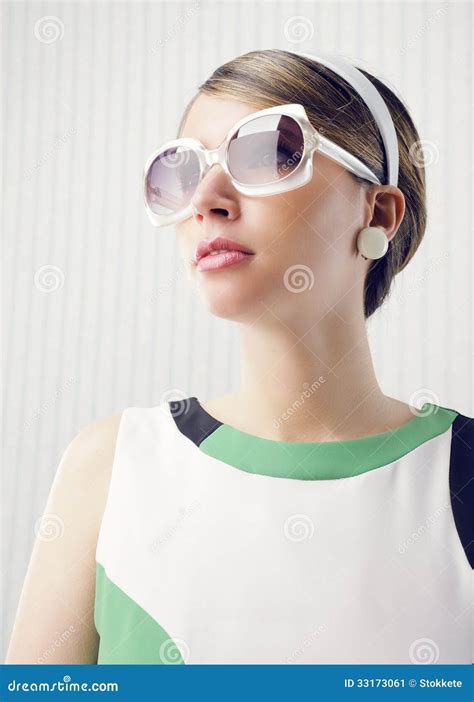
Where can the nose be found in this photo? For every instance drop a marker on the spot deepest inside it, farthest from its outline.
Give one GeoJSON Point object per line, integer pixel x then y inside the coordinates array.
{"type": "Point", "coordinates": [215, 197]}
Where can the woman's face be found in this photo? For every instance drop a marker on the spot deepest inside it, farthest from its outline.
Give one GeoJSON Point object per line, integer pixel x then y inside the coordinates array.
{"type": "Point", "coordinates": [304, 262]}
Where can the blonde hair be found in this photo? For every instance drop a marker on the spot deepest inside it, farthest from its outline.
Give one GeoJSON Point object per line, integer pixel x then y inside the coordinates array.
{"type": "Point", "coordinates": [274, 77]}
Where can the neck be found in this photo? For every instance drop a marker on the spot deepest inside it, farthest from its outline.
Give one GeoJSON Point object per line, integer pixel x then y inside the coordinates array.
{"type": "Point", "coordinates": [315, 385]}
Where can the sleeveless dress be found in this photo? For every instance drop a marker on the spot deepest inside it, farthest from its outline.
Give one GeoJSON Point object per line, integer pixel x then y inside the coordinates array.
{"type": "Point", "coordinates": [218, 546]}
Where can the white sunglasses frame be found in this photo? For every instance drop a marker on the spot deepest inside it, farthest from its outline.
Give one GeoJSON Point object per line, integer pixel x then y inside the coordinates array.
{"type": "Point", "coordinates": [302, 174]}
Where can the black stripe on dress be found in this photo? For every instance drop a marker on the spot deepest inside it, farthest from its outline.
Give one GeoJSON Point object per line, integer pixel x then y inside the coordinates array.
{"type": "Point", "coordinates": [192, 420]}
{"type": "Point", "coordinates": [461, 482]}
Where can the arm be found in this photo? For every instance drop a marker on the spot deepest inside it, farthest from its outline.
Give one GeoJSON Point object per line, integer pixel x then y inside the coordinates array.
{"type": "Point", "coordinates": [55, 616]}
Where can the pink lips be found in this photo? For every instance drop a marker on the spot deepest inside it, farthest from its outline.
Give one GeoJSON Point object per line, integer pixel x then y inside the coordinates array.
{"type": "Point", "coordinates": [231, 253]}
{"type": "Point", "coordinates": [222, 260]}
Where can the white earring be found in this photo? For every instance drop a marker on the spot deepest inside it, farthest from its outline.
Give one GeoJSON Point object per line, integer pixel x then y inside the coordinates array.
{"type": "Point", "coordinates": [372, 243]}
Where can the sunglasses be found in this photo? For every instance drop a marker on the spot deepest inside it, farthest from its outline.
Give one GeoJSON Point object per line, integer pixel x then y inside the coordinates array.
{"type": "Point", "coordinates": [265, 153]}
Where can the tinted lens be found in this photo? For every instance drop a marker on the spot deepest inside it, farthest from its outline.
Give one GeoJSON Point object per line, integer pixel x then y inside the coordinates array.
{"type": "Point", "coordinates": [266, 149]}
{"type": "Point", "coordinates": [172, 179]}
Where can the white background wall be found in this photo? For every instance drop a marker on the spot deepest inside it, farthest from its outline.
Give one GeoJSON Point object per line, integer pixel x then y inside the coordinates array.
{"type": "Point", "coordinates": [98, 314]}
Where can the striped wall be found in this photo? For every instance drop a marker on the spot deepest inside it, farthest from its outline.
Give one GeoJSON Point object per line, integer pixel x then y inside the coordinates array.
{"type": "Point", "coordinates": [98, 313]}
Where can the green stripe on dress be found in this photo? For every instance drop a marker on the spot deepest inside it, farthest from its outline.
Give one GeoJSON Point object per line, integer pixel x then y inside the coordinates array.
{"type": "Point", "coordinates": [325, 460]}
{"type": "Point", "coordinates": [127, 633]}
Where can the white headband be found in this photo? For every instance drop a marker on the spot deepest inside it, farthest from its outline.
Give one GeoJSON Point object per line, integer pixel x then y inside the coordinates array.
{"type": "Point", "coordinates": [372, 99]}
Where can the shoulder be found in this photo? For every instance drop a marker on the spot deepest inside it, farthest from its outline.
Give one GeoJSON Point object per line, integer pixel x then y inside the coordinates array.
{"type": "Point", "coordinates": [81, 484]}
{"type": "Point", "coordinates": [61, 572]}
{"type": "Point", "coordinates": [94, 442]}
{"type": "Point", "coordinates": [86, 463]}
{"type": "Point", "coordinates": [92, 449]}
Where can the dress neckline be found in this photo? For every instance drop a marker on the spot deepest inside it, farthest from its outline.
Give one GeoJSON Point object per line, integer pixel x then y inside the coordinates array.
{"type": "Point", "coordinates": [306, 460]}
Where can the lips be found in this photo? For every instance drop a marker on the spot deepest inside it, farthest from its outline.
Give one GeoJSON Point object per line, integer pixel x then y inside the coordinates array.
{"type": "Point", "coordinates": [205, 248]}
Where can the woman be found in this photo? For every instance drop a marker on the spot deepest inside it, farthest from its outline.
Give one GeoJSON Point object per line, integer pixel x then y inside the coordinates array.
{"type": "Point", "coordinates": [306, 517]}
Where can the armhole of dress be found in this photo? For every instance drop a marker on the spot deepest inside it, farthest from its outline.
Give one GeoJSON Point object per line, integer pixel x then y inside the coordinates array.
{"type": "Point", "coordinates": [98, 555]}
{"type": "Point", "coordinates": [461, 482]}
{"type": "Point", "coordinates": [113, 469]}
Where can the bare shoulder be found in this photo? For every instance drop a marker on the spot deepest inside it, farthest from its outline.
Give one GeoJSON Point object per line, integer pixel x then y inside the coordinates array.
{"type": "Point", "coordinates": [89, 455]}
{"type": "Point", "coordinates": [86, 465]}
{"type": "Point", "coordinates": [95, 441]}
{"type": "Point", "coordinates": [59, 587]}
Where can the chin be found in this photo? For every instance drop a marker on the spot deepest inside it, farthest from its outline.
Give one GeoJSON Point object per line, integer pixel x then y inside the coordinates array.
{"type": "Point", "coordinates": [237, 300]}
{"type": "Point", "coordinates": [237, 310]}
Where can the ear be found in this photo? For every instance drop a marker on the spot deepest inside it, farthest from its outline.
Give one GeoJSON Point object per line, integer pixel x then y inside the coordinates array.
{"type": "Point", "coordinates": [387, 208]}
